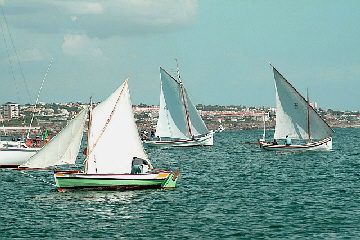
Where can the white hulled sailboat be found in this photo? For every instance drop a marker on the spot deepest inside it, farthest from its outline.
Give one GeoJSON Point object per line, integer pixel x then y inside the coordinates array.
{"type": "Point", "coordinates": [297, 119]}
{"type": "Point", "coordinates": [179, 123]}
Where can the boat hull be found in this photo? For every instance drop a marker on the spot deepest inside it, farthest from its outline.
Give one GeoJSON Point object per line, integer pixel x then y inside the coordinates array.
{"type": "Point", "coordinates": [13, 157]}
{"type": "Point", "coordinates": [207, 140]}
{"type": "Point", "coordinates": [323, 145]}
{"type": "Point", "coordinates": [114, 182]}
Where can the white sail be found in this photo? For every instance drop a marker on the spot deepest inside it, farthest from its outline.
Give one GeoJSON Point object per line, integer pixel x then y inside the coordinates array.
{"type": "Point", "coordinates": [114, 138]}
{"type": "Point", "coordinates": [172, 120]}
{"type": "Point", "coordinates": [292, 114]}
{"type": "Point", "coordinates": [63, 148]}
{"type": "Point", "coordinates": [197, 124]}
{"type": "Point", "coordinates": [166, 126]}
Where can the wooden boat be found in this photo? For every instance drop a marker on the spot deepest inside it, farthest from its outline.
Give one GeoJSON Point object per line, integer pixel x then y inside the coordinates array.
{"type": "Point", "coordinates": [298, 120]}
{"type": "Point", "coordinates": [113, 142]}
{"type": "Point", "coordinates": [179, 123]}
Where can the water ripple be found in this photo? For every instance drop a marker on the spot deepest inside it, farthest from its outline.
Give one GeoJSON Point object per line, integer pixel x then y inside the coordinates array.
{"type": "Point", "coordinates": [228, 191]}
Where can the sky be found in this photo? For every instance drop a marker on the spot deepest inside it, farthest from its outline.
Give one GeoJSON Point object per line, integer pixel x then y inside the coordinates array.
{"type": "Point", "coordinates": [223, 50]}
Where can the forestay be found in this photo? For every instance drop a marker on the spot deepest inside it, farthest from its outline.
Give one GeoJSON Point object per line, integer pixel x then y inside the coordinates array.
{"type": "Point", "coordinates": [114, 138]}
{"type": "Point", "coordinates": [63, 148]}
{"type": "Point", "coordinates": [172, 120]}
{"type": "Point", "coordinates": [292, 114]}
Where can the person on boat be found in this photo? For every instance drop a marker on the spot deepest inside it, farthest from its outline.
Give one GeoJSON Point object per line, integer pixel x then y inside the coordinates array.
{"type": "Point", "coordinates": [152, 134]}
{"type": "Point", "coordinates": [138, 164]}
{"type": "Point", "coordinates": [143, 135]}
{"type": "Point", "coordinates": [287, 141]}
{"type": "Point", "coordinates": [274, 142]}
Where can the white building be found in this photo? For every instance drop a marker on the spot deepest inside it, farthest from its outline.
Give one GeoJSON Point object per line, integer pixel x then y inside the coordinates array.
{"type": "Point", "coordinates": [11, 110]}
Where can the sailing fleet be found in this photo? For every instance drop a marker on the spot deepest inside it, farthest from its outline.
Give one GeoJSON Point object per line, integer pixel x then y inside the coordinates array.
{"type": "Point", "coordinates": [116, 158]}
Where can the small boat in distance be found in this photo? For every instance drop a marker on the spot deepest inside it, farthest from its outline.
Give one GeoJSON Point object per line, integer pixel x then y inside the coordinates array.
{"type": "Point", "coordinates": [113, 144]}
{"type": "Point", "coordinates": [296, 119]}
{"type": "Point", "coordinates": [15, 150]}
{"type": "Point", "coordinates": [179, 123]}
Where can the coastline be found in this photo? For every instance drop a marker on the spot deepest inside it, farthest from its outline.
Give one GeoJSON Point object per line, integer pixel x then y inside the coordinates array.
{"type": "Point", "coordinates": [234, 126]}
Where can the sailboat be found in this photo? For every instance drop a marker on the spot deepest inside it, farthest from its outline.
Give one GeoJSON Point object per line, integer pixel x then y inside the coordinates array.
{"type": "Point", "coordinates": [297, 119]}
{"type": "Point", "coordinates": [113, 142]}
{"type": "Point", "coordinates": [179, 123]}
{"type": "Point", "coordinates": [14, 151]}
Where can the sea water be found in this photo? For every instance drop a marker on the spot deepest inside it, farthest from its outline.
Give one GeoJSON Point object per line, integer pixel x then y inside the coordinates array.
{"type": "Point", "coordinates": [229, 191]}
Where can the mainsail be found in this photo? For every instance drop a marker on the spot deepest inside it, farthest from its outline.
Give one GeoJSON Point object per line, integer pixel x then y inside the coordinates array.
{"type": "Point", "coordinates": [114, 138]}
{"type": "Point", "coordinates": [175, 104]}
{"type": "Point", "coordinates": [63, 148]}
{"type": "Point", "coordinates": [292, 111]}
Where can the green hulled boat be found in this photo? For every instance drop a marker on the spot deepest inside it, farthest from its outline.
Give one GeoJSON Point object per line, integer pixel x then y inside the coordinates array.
{"type": "Point", "coordinates": [113, 143]}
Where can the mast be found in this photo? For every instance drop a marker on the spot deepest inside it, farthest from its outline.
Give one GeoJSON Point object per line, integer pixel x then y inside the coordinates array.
{"type": "Point", "coordinates": [88, 137]}
{"type": "Point", "coordinates": [264, 126]}
{"type": "Point", "coordinates": [308, 115]}
{"type": "Point", "coordinates": [37, 98]}
{"type": "Point", "coordinates": [184, 100]}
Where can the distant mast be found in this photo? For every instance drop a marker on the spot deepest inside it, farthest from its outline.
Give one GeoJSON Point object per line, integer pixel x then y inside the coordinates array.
{"type": "Point", "coordinates": [184, 99]}
{"type": "Point", "coordinates": [264, 134]}
{"type": "Point", "coordinates": [308, 113]}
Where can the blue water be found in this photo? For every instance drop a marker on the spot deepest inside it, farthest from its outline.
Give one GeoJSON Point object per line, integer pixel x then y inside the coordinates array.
{"type": "Point", "coordinates": [228, 191]}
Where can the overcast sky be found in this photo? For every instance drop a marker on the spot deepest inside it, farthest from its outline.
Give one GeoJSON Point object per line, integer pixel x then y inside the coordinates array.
{"type": "Point", "coordinates": [223, 49]}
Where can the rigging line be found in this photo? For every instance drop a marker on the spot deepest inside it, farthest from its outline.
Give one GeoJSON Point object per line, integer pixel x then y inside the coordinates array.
{"type": "Point", "coordinates": [108, 120]}
{"type": "Point", "coordinates": [38, 178]}
{"type": "Point", "coordinates": [42, 84]}
{"type": "Point", "coordinates": [17, 58]}
{"type": "Point", "coordinates": [11, 66]}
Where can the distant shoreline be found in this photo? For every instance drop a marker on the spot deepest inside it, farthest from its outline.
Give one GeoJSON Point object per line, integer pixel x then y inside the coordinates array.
{"type": "Point", "coordinates": [271, 125]}
{"type": "Point", "coordinates": [236, 126]}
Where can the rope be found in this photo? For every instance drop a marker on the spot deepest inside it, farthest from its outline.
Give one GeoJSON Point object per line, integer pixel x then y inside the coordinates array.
{"type": "Point", "coordinates": [37, 98]}
{"type": "Point", "coordinates": [17, 57]}
{"type": "Point", "coordinates": [38, 178]}
{"type": "Point", "coordinates": [107, 121]}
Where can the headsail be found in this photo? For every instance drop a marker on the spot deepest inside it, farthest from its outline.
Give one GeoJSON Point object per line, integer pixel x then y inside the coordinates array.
{"type": "Point", "coordinates": [292, 113]}
{"type": "Point", "coordinates": [114, 138]}
{"type": "Point", "coordinates": [197, 124]}
{"type": "Point", "coordinates": [63, 148]}
{"type": "Point", "coordinates": [172, 120]}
